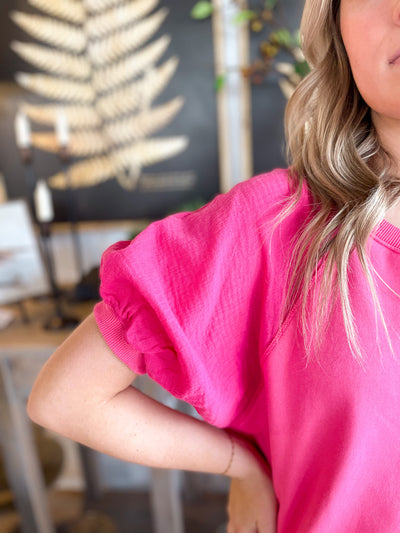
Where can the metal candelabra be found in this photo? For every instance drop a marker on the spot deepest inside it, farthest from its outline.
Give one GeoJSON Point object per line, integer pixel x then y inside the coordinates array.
{"type": "Point", "coordinates": [60, 319]}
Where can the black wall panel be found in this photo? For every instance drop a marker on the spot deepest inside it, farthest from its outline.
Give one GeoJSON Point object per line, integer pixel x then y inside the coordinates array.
{"type": "Point", "coordinates": [194, 80]}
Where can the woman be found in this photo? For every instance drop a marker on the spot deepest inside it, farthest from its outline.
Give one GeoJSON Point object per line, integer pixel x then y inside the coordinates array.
{"type": "Point", "coordinates": [273, 310]}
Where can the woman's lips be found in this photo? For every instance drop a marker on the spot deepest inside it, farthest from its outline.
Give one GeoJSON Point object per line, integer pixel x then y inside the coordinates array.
{"type": "Point", "coordinates": [395, 58]}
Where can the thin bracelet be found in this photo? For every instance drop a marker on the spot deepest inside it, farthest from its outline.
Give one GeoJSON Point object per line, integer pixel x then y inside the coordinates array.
{"type": "Point", "coordinates": [232, 454]}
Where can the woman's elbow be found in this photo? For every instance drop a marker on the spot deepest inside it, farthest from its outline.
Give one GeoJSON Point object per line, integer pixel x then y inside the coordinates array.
{"type": "Point", "coordinates": [52, 400]}
{"type": "Point", "coordinates": [42, 409]}
{"type": "Point", "coordinates": [34, 408]}
{"type": "Point", "coordinates": [80, 376]}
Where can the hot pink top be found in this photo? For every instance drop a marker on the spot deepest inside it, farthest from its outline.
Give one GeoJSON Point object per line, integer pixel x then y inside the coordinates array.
{"type": "Point", "coordinates": [194, 301]}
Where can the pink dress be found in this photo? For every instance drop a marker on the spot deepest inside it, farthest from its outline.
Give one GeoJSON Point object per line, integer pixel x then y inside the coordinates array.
{"type": "Point", "coordinates": [194, 301]}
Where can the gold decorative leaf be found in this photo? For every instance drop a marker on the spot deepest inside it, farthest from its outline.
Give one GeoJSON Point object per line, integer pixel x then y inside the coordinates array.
{"type": "Point", "coordinates": [118, 44]}
{"type": "Point", "coordinates": [126, 130]}
{"type": "Point", "coordinates": [98, 67]}
{"type": "Point", "coordinates": [50, 31]}
{"type": "Point", "coordinates": [94, 6]}
{"type": "Point", "coordinates": [45, 141]}
{"type": "Point", "coordinates": [55, 88]}
{"type": "Point", "coordinates": [85, 173]}
{"type": "Point", "coordinates": [69, 10]}
{"type": "Point", "coordinates": [81, 144]}
{"type": "Point", "coordinates": [121, 72]}
{"type": "Point", "coordinates": [112, 19]}
{"type": "Point", "coordinates": [78, 117]}
{"type": "Point", "coordinates": [129, 99]}
{"type": "Point", "coordinates": [145, 123]}
{"type": "Point", "coordinates": [53, 61]}
{"type": "Point", "coordinates": [94, 171]}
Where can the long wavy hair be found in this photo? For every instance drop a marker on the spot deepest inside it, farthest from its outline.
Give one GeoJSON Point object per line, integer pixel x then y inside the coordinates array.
{"type": "Point", "coordinates": [333, 145]}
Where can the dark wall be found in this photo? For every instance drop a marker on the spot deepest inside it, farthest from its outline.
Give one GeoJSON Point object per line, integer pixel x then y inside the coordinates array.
{"type": "Point", "coordinates": [192, 42]}
{"type": "Point", "coordinates": [9, 62]}
{"type": "Point", "coordinates": [194, 80]}
{"type": "Point", "coordinates": [268, 102]}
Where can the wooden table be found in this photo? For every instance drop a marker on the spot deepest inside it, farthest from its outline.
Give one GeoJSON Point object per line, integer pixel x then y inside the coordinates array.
{"type": "Point", "coordinates": [24, 348]}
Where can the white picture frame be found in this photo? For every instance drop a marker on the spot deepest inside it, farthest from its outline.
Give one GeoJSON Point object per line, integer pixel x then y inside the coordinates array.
{"type": "Point", "coordinates": [22, 270]}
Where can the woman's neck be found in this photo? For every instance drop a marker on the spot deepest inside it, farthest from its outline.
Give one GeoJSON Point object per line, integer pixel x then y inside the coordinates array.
{"type": "Point", "coordinates": [393, 215]}
{"type": "Point", "coordinates": [388, 130]}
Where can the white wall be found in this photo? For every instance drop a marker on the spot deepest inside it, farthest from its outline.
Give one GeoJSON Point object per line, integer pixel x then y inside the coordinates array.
{"type": "Point", "coordinates": [94, 238]}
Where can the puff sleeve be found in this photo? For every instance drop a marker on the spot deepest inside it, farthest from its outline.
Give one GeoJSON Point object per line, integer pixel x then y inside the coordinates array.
{"type": "Point", "coordinates": [182, 302]}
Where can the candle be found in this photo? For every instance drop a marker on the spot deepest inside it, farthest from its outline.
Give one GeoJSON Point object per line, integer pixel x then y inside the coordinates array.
{"type": "Point", "coordinates": [22, 130]}
{"type": "Point", "coordinates": [3, 189]}
{"type": "Point", "coordinates": [43, 202]}
{"type": "Point", "coordinates": [62, 128]}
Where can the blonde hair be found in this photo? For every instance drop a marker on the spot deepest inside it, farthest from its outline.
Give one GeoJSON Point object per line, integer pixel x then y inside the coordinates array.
{"type": "Point", "coordinates": [333, 145]}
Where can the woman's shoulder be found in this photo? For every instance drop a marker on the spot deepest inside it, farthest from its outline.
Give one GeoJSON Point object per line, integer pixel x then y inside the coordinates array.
{"type": "Point", "coordinates": [275, 182]}
{"type": "Point", "coordinates": [266, 195]}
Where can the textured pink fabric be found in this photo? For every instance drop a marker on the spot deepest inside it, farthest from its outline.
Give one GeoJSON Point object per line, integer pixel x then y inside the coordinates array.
{"type": "Point", "coordinates": [194, 301]}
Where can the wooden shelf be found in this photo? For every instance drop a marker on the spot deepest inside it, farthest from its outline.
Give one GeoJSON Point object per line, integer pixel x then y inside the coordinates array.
{"type": "Point", "coordinates": [32, 335]}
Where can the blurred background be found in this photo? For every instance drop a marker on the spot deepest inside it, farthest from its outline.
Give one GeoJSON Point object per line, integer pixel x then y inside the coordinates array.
{"type": "Point", "coordinates": [113, 114]}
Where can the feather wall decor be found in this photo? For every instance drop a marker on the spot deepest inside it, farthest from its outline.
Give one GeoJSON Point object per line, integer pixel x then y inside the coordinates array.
{"type": "Point", "coordinates": [97, 62]}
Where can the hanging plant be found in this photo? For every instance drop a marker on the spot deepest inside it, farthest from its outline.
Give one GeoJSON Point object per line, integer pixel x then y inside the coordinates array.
{"type": "Point", "coordinates": [278, 40]}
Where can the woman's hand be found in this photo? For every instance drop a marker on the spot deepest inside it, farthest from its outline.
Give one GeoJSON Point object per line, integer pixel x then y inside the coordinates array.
{"type": "Point", "coordinates": [252, 505]}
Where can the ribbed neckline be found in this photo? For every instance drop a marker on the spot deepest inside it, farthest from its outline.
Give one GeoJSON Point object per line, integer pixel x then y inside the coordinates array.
{"type": "Point", "coordinates": [389, 234]}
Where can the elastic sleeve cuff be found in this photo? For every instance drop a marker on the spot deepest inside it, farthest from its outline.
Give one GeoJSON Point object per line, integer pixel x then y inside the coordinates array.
{"type": "Point", "coordinates": [112, 330]}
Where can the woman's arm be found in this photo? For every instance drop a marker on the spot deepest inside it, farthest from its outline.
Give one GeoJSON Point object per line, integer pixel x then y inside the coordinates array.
{"type": "Point", "coordinates": [83, 392]}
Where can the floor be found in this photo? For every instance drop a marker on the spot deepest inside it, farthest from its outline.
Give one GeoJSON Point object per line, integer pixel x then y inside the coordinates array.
{"type": "Point", "coordinates": [123, 512]}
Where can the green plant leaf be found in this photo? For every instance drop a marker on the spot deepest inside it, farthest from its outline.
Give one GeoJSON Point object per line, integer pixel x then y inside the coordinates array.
{"type": "Point", "coordinates": [202, 10]}
{"type": "Point", "coordinates": [244, 16]}
{"type": "Point", "coordinates": [302, 68]}
{"type": "Point", "coordinates": [190, 205]}
{"type": "Point", "coordinates": [220, 82]}
{"type": "Point", "coordinates": [281, 37]}
{"type": "Point", "coordinates": [296, 38]}
{"type": "Point", "coordinates": [270, 4]}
